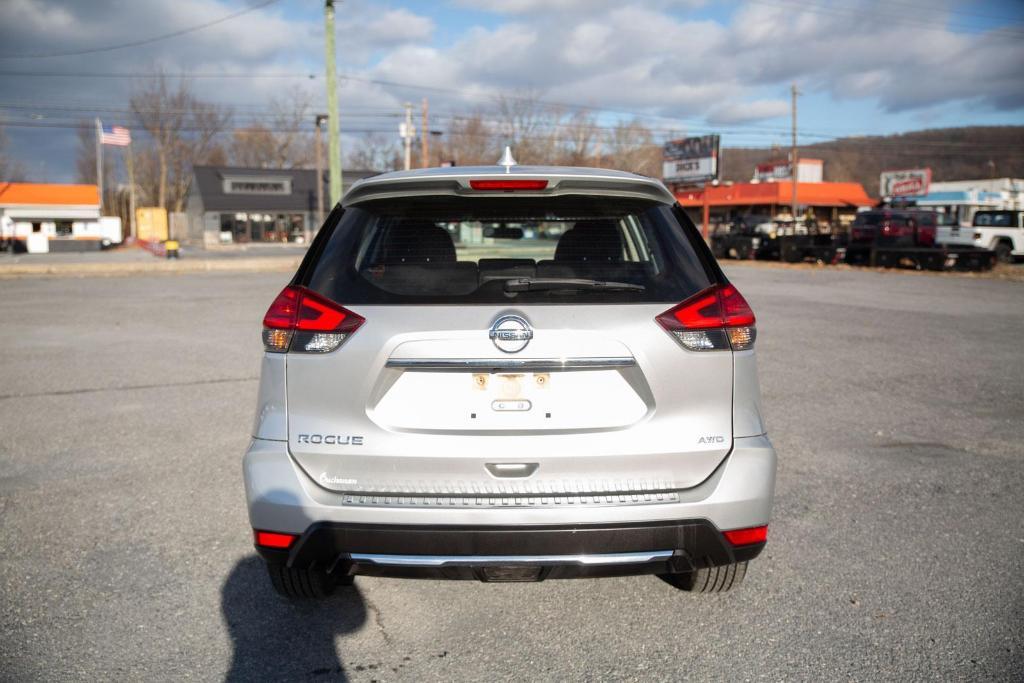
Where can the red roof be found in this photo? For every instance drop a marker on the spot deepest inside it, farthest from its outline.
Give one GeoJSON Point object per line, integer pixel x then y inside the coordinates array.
{"type": "Point", "coordinates": [44, 193]}
{"type": "Point", "coordinates": [781, 193]}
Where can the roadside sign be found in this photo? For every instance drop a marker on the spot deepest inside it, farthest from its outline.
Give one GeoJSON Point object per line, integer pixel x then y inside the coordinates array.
{"type": "Point", "coordinates": [691, 160]}
{"type": "Point", "coordinates": [912, 182]}
{"type": "Point", "coordinates": [151, 223]}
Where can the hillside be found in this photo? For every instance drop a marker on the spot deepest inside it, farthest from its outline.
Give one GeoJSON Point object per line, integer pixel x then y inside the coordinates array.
{"type": "Point", "coordinates": [951, 153]}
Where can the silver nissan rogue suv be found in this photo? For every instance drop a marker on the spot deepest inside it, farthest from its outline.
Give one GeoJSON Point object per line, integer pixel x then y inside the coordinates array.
{"type": "Point", "coordinates": [508, 373]}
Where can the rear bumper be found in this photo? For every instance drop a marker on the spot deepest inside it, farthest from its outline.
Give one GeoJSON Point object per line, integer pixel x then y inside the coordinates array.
{"type": "Point", "coordinates": [512, 553]}
{"type": "Point", "coordinates": [737, 495]}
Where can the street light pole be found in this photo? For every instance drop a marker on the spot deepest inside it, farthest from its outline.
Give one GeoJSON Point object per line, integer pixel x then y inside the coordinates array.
{"type": "Point", "coordinates": [318, 146]}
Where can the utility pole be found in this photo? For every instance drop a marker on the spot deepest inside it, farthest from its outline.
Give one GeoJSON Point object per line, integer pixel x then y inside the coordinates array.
{"type": "Point", "coordinates": [334, 132]}
{"type": "Point", "coordinates": [318, 146]}
{"type": "Point", "coordinates": [407, 135]}
{"type": "Point", "coordinates": [425, 136]}
{"type": "Point", "coordinates": [794, 173]}
{"type": "Point", "coordinates": [99, 161]}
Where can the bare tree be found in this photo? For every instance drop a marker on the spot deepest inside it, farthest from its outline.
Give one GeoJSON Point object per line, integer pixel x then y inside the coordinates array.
{"type": "Point", "coordinates": [632, 148]}
{"type": "Point", "coordinates": [543, 133]}
{"type": "Point", "coordinates": [529, 125]}
{"type": "Point", "coordinates": [11, 170]}
{"type": "Point", "coordinates": [182, 128]}
{"type": "Point", "coordinates": [470, 140]}
{"type": "Point", "coordinates": [374, 152]}
{"type": "Point", "coordinates": [284, 140]}
{"type": "Point", "coordinates": [579, 138]}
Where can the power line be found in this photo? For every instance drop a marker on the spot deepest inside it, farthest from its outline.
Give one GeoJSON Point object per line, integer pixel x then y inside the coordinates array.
{"type": "Point", "coordinates": [342, 77]}
{"type": "Point", "coordinates": [145, 41]}
{"type": "Point", "coordinates": [874, 146]}
{"type": "Point", "coordinates": [247, 123]}
{"type": "Point", "coordinates": [153, 74]}
{"type": "Point", "coordinates": [952, 10]}
{"type": "Point", "coordinates": [917, 22]}
{"type": "Point", "coordinates": [690, 125]}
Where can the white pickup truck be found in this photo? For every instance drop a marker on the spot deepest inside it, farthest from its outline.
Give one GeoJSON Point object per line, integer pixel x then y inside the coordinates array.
{"type": "Point", "coordinates": [1002, 231]}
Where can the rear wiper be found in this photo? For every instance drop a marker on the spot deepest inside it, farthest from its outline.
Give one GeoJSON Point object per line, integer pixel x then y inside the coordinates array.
{"type": "Point", "coordinates": [535, 284]}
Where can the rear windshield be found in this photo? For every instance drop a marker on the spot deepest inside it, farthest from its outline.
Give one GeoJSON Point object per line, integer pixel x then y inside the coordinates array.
{"type": "Point", "coordinates": [468, 249]}
{"type": "Point", "coordinates": [867, 219]}
{"type": "Point", "coordinates": [896, 220]}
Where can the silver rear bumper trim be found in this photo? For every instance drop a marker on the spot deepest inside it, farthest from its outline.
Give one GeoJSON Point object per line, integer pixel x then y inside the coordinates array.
{"type": "Point", "coordinates": [477, 560]}
{"type": "Point", "coordinates": [528, 364]}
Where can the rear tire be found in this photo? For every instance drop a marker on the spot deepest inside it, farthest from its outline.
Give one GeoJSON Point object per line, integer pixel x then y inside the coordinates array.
{"type": "Point", "coordinates": [1004, 252]}
{"type": "Point", "coordinates": [710, 579]}
{"type": "Point", "coordinates": [304, 584]}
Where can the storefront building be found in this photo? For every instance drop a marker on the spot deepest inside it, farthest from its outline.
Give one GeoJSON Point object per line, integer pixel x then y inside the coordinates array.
{"type": "Point", "coordinates": [230, 205]}
{"type": "Point", "coordinates": [832, 204]}
{"type": "Point", "coordinates": [42, 217]}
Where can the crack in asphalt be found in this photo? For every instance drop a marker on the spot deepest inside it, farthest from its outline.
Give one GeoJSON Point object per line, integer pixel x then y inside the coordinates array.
{"type": "Point", "coordinates": [128, 387]}
{"type": "Point", "coordinates": [378, 619]}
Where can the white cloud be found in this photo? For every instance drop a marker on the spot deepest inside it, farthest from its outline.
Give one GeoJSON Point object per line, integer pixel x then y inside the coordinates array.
{"type": "Point", "coordinates": [557, 6]}
{"type": "Point", "coordinates": [746, 112]}
{"type": "Point", "coordinates": [393, 27]}
{"type": "Point", "coordinates": [649, 57]}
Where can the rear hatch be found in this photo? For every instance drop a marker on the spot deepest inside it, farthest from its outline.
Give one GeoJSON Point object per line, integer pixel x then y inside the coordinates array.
{"type": "Point", "coordinates": [511, 345]}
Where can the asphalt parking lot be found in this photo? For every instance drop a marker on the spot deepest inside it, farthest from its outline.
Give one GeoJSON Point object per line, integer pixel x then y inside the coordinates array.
{"type": "Point", "coordinates": [896, 550]}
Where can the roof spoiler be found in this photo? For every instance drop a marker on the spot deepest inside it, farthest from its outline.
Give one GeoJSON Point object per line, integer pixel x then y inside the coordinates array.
{"type": "Point", "coordinates": [384, 187]}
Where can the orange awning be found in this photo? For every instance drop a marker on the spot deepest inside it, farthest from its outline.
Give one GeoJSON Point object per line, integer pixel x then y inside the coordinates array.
{"type": "Point", "coordinates": [781, 193]}
{"type": "Point", "coordinates": [35, 194]}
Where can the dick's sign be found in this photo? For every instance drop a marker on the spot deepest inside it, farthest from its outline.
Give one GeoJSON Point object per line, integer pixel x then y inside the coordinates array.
{"type": "Point", "coordinates": [907, 183]}
{"type": "Point", "coordinates": [691, 160]}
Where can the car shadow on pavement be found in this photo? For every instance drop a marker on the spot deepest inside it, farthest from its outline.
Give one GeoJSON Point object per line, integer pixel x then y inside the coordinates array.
{"type": "Point", "coordinates": [275, 639]}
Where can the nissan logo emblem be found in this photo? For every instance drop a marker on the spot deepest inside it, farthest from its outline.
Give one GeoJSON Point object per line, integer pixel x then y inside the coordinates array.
{"type": "Point", "coordinates": [510, 333]}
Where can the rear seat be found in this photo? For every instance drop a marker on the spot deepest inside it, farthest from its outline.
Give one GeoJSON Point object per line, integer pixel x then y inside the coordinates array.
{"type": "Point", "coordinates": [504, 268]}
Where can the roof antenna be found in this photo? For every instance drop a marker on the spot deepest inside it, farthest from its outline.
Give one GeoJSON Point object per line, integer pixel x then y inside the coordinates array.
{"type": "Point", "coordinates": [507, 160]}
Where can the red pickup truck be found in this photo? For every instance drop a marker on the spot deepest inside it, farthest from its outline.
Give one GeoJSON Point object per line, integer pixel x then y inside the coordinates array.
{"type": "Point", "coordinates": [896, 228]}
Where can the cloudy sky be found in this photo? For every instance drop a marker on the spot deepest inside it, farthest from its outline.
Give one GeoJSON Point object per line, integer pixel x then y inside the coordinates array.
{"type": "Point", "coordinates": [690, 66]}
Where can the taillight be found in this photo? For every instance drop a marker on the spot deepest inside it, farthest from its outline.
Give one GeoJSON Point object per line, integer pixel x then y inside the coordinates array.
{"type": "Point", "coordinates": [271, 539]}
{"type": "Point", "coordinates": [302, 321]}
{"type": "Point", "coordinates": [749, 536]}
{"type": "Point", "coordinates": [509, 185]}
{"type": "Point", "coordinates": [716, 318]}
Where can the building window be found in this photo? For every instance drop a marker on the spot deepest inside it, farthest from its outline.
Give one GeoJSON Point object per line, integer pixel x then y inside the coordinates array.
{"type": "Point", "coordinates": [63, 228]}
{"type": "Point", "coordinates": [37, 227]}
{"type": "Point", "coordinates": [262, 227]}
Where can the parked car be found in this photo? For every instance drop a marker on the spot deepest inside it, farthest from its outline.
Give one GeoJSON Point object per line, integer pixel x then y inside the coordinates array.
{"type": "Point", "coordinates": [518, 411]}
{"type": "Point", "coordinates": [895, 228]}
{"type": "Point", "coordinates": [1001, 231]}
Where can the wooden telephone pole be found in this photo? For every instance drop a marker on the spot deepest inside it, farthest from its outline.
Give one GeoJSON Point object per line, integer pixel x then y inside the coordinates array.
{"type": "Point", "coordinates": [794, 173]}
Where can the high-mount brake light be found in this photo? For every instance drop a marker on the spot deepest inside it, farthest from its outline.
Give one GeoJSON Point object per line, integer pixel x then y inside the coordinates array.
{"type": "Point", "coordinates": [717, 318]}
{"type": "Point", "coordinates": [749, 536]}
{"type": "Point", "coordinates": [508, 185]}
{"type": "Point", "coordinates": [301, 320]}
{"type": "Point", "coordinates": [272, 539]}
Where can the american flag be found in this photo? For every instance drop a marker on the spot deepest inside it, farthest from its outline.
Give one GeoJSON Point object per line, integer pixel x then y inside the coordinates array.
{"type": "Point", "coordinates": [115, 135]}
